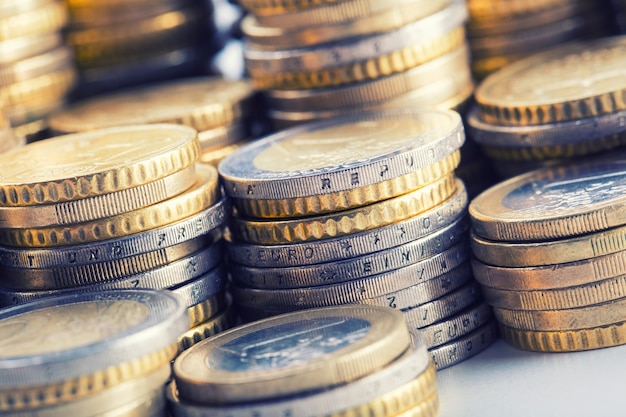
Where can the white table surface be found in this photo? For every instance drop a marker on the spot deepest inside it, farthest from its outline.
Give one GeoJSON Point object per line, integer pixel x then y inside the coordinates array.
{"type": "Point", "coordinates": [507, 382]}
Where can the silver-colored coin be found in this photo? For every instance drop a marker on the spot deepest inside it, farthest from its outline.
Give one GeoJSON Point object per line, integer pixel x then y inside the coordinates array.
{"type": "Point", "coordinates": [16, 49]}
{"type": "Point", "coordinates": [344, 397]}
{"type": "Point", "coordinates": [353, 268]}
{"type": "Point", "coordinates": [555, 134]}
{"type": "Point", "coordinates": [356, 291]}
{"type": "Point", "coordinates": [108, 250]}
{"type": "Point", "coordinates": [65, 337]}
{"type": "Point", "coordinates": [23, 70]}
{"type": "Point", "coordinates": [458, 326]}
{"type": "Point", "coordinates": [196, 290]}
{"type": "Point", "coordinates": [358, 244]}
{"type": "Point", "coordinates": [260, 61]}
{"type": "Point", "coordinates": [417, 139]}
{"type": "Point", "coordinates": [461, 349]}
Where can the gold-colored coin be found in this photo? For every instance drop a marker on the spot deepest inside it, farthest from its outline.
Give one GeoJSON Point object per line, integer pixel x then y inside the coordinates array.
{"type": "Point", "coordinates": [210, 327]}
{"type": "Point", "coordinates": [582, 79]}
{"type": "Point", "coordinates": [396, 62]}
{"type": "Point", "coordinates": [214, 157]}
{"type": "Point", "coordinates": [224, 136]}
{"type": "Point", "coordinates": [51, 86]}
{"type": "Point", "coordinates": [206, 309]}
{"type": "Point", "coordinates": [566, 341]}
{"type": "Point", "coordinates": [494, 9]}
{"type": "Point", "coordinates": [47, 18]}
{"type": "Point", "coordinates": [347, 222]}
{"type": "Point", "coordinates": [91, 164]}
{"type": "Point", "coordinates": [427, 408]}
{"type": "Point", "coordinates": [31, 131]}
{"type": "Point", "coordinates": [203, 194]}
{"type": "Point", "coordinates": [203, 103]}
{"type": "Point", "coordinates": [557, 320]}
{"type": "Point", "coordinates": [291, 353]}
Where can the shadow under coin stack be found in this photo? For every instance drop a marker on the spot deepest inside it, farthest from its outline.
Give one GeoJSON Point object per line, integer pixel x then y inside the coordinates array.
{"type": "Point", "coordinates": [120, 43]}
{"type": "Point", "coordinates": [550, 252]}
{"type": "Point", "coordinates": [88, 355]}
{"type": "Point", "coordinates": [360, 209]}
{"type": "Point", "coordinates": [322, 59]}
{"type": "Point", "coordinates": [222, 111]}
{"type": "Point", "coordinates": [552, 107]}
{"type": "Point", "coordinates": [36, 70]}
{"type": "Point", "coordinates": [501, 32]}
{"type": "Point", "coordinates": [115, 208]}
{"type": "Point", "coordinates": [349, 360]}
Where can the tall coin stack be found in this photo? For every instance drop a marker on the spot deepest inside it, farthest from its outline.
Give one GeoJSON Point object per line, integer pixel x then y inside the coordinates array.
{"type": "Point", "coordinates": [550, 252]}
{"type": "Point", "coordinates": [222, 111]}
{"type": "Point", "coordinates": [322, 59]}
{"type": "Point", "coordinates": [359, 209]}
{"type": "Point", "coordinates": [89, 355]}
{"type": "Point", "coordinates": [115, 208]}
{"type": "Point", "coordinates": [349, 361]}
{"type": "Point", "coordinates": [564, 103]}
{"type": "Point", "coordinates": [122, 43]}
{"type": "Point", "coordinates": [36, 70]}
{"type": "Point", "coordinates": [501, 32]}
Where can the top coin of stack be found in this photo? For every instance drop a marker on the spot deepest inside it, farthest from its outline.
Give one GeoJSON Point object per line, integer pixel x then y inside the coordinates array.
{"type": "Point", "coordinates": [503, 31]}
{"type": "Point", "coordinates": [36, 70]}
{"type": "Point", "coordinates": [560, 104]}
{"type": "Point", "coordinates": [550, 254]}
{"type": "Point", "coordinates": [88, 355]}
{"type": "Point", "coordinates": [322, 59]}
{"type": "Point", "coordinates": [222, 111]}
{"type": "Point", "coordinates": [358, 209]}
{"type": "Point", "coordinates": [350, 360]}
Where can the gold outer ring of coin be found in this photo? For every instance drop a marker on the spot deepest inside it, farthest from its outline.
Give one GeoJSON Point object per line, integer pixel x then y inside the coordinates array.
{"type": "Point", "coordinates": [385, 339]}
{"type": "Point", "coordinates": [202, 195]}
{"type": "Point", "coordinates": [48, 18]}
{"type": "Point", "coordinates": [206, 309]}
{"type": "Point", "coordinates": [513, 97]}
{"type": "Point", "coordinates": [276, 38]}
{"type": "Point", "coordinates": [98, 207]}
{"type": "Point", "coordinates": [427, 408]}
{"type": "Point", "coordinates": [571, 319]}
{"type": "Point", "coordinates": [499, 9]}
{"type": "Point", "coordinates": [551, 277]}
{"type": "Point", "coordinates": [51, 85]}
{"type": "Point", "coordinates": [597, 292]}
{"type": "Point", "coordinates": [396, 62]}
{"type": "Point", "coordinates": [492, 217]}
{"type": "Point", "coordinates": [224, 320]}
{"type": "Point", "coordinates": [344, 223]}
{"type": "Point", "coordinates": [86, 385]}
{"type": "Point", "coordinates": [566, 341]}
{"type": "Point", "coordinates": [94, 163]}
{"type": "Point", "coordinates": [348, 199]}
{"type": "Point", "coordinates": [203, 103]}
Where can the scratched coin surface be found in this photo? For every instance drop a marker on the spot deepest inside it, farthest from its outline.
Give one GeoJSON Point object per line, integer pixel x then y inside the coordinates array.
{"type": "Point", "coordinates": [291, 353]}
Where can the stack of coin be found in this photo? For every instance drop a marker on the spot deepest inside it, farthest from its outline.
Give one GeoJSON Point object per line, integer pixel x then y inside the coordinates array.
{"type": "Point", "coordinates": [321, 59]}
{"type": "Point", "coordinates": [222, 111]}
{"type": "Point", "coordinates": [349, 360]}
{"type": "Point", "coordinates": [503, 31]}
{"type": "Point", "coordinates": [87, 355]}
{"type": "Point", "coordinates": [121, 43]}
{"type": "Point", "coordinates": [36, 70]}
{"type": "Point", "coordinates": [115, 208]}
{"type": "Point", "coordinates": [359, 209]}
{"type": "Point", "coordinates": [550, 254]}
{"type": "Point", "coordinates": [560, 104]}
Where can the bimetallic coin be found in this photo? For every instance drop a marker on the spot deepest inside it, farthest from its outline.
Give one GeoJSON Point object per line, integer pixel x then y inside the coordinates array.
{"type": "Point", "coordinates": [202, 103]}
{"type": "Point", "coordinates": [291, 354]}
{"type": "Point", "coordinates": [83, 165]}
{"type": "Point", "coordinates": [553, 203]}
{"type": "Point", "coordinates": [218, 323]}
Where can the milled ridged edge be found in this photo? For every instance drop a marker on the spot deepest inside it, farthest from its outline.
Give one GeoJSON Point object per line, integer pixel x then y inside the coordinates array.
{"type": "Point", "coordinates": [395, 62]}
{"type": "Point", "coordinates": [90, 185]}
{"type": "Point", "coordinates": [530, 114]}
{"type": "Point", "coordinates": [502, 9]}
{"type": "Point", "coordinates": [147, 218]}
{"type": "Point", "coordinates": [358, 197]}
{"type": "Point", "coordinates": [53, 84]}
{"type": "Point", "coordinates": [415, 393]}
{"type": "Point", "coordinates": [596, 292]}
{"type": "Point", "coordinates": [566, 341]}
{"type": "Point", "coordinates": [540, 153]}
{"type": "Point", "coordinates": [427, 408]}
{"type": "Point", "coordinates": [41, 20]}
{"type": "Point", "coordinates": [482, 310]}
{"type": "Point", "coordinates": [474, 343]}
{"type": "Point", "coordinates": [352, 221]}
{"type": "Point", "coordinates": [83, 386]}
{"type": "Point", "coordinates": [218, 324]}
{"type": "Point", "coordinates": [206, 309]}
